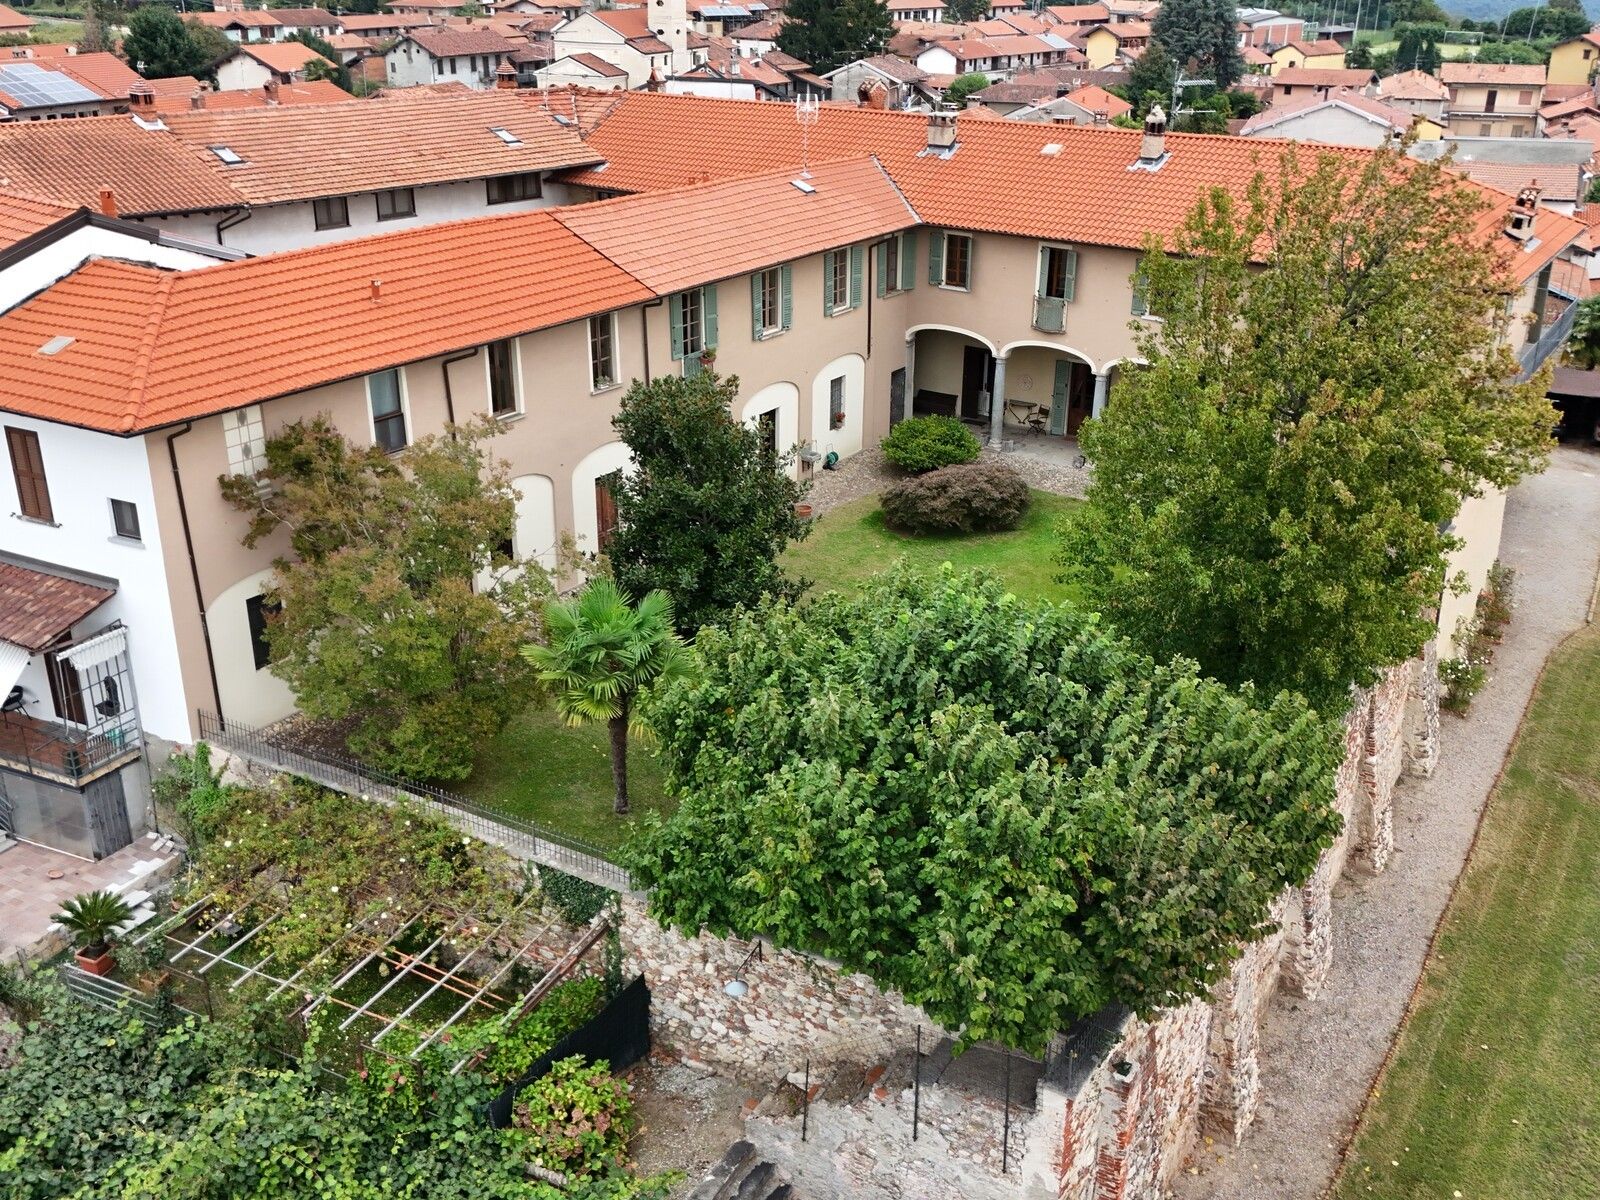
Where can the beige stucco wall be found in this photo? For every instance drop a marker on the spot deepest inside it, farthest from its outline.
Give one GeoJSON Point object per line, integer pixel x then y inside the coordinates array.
{"type": "Point", "coordinates": [1478, 526]}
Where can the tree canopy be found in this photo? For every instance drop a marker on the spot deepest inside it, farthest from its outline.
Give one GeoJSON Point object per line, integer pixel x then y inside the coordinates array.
{"type": "Point", "coordinates": [403, 610]}
{"type": "Point", "coordinates": [158, 44]}
{"type": "Point", "coordinates": [1151, 79]}
{"type": "Point", "coordinates": [963, 86]}
{"type": "Point", "coordinates": [708, 508]}
{"type": "Point", "coordinates": [991, 805]}
{"type": "Point", "coordinates": [1273, 490]}
{"type": "Point", "coordinates": [1201, 33]}
{"type": "Point", "coordinates": [830, 33]}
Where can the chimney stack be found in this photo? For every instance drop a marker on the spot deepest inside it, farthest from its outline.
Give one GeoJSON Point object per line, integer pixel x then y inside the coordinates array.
{"type": "Point", "coordinates": [198, 99]}
{"type": "Point", "coordinates": [141, 99]}
{"type": "Point", "coordinates": [377, 289]}
{"type": "Point", "coordinates": [1519, 221]}
{"type": "Point", "coordinates": [269, 89]}
{"type": "Point", "coordinates": [1153, 147]}
{"type": "Point", "coordinates": [505, 77]}
{"type": "Point", "coordinates": [941, 131]}
{"type": "Point", "coordinates": [108, 202]}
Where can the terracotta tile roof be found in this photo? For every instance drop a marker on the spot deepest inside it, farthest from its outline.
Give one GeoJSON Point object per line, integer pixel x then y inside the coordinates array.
{"type": "Point", "coordinates": [11, 21]}
{"type": "Point", "coordinates": [1567, 108]}
{"type": "Point", "coordinates": [1317, 49]}
{"type": "Point", "coordinates": [1582, 127]}
{"type": "Point", "coordinates": [649, 45]}
{"type": "Point", "coordinates": [366, 22]}
{"type": "Point", "coordinates": [897, 69]}
{"type": "Point", "coordinates": [283, 57]}
{"type": "Point", "coordinates": [248, 18]}
{"type": "Point", "coordinates": [765, 30]}
{"type": "Point", "coordinates": [1395, 118]}
{"type": "Point", "coordinates": [1412, 85]}
{"type": "Point", "coordinates": [1514, 74]}
{"type": "Point", "coordinates": [100, 72]}
{"type": "Point", "coordinates": [22, 216]}
{"type": "Point", "coordinates": [313, 91]}
{"type": "Point", "coordinates": [453, 40]}
{"type": "Point", "coordinates": [1098, 100]}
{"type": "Point", "coordinates": [307, 18]}
{"type": "Point", "coordinates": [1556, 92]}
{"type": "Point", "coordinates": [72, 160]}
{"type": "Point", "coordinates": [350, 41]}
{"type": "Point", "coordinates": [155, 347]}
{"type": "Point", "coordinates": [741, 226]}
{"type": "Point", "coordinates": [1078, 14]}
{"type": "Point", "coordinates": [36, 608]}
{"type": "Point", "coordinates": [1255, 56]}
{"type": "Point", "coordinates": [1326, 77]}
{"type": "Point", "coordinates": [629, 22]}
{"type": "Point", "coordinates": [1130, 30]}
{"type": "Point", "coordinates": [406, 141]}
{"type": "Point", "coordinates": [1557, 181]}
{"type": "Point", "coordinates": [596, 64]}
{"type": "Point", "coordinates": [1020, 44]}
{"type": "Point", "coordinates": [173, 88]}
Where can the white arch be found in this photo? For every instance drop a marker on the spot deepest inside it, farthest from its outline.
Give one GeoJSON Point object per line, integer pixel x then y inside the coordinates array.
{"type": "Point", "coordinates": [534, 534]}
{"type": "Point", "coordinates": [249, 695]}
{"type": "Point", "coordinates": [784, 399]}
{"type": "Point", "coordinates": [613, 456]}
{"type": "Point", "coordinates": [845, 440]}
{"type": "Point", "coordinates": [977, 337]}
{"type": "Point", "coordinates": [1035, 344]}
{"type": "Point", "coordinates": [1124, 361]}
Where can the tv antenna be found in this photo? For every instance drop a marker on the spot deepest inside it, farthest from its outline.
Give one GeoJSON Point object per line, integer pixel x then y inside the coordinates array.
{"type": "Point", "coordinates": [1178, 85]}
{"type": "Point", "coordinates": [807, 111]}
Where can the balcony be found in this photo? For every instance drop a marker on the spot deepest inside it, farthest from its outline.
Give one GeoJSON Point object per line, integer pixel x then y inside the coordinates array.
{"type": "Point", "coordinates": [1049, 314]}
{"type": "Point", "coordinates": [1534, 354]}
{"type": "Point", "coordinates": [63, 753]}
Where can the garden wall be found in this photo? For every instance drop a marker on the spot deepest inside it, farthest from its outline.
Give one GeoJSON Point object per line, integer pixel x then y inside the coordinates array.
{"type": "Point", "coordinates": [1121, 1130]}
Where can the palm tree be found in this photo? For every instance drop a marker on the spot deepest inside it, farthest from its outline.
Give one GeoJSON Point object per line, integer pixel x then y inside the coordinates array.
{"type": "Point", "coordinates": [602, 650]}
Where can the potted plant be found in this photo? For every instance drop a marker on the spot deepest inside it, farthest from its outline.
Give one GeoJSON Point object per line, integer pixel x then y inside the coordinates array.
{"type": "Point", "coordinates": [92, 918]}
{"type": "Point", "coordinates": [708, 357]}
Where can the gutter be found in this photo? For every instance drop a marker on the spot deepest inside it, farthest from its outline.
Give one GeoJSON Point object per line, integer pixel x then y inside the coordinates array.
{"type": "Point", "coordinates": [194, 566]}
{"type": "Point", "coordinates": [236, 216]}
{"type": "Point", "coordinates": [449, 396]}
{"type": "Point", "coordinates": [644, 330]}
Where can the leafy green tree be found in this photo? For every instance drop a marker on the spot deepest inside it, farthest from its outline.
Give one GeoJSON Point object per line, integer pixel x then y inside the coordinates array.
{"type": "Point", "coordinates": [334, 69]}
{"type": "Point", "coordinates": [381, 623]}
{"type": "Point", "coordinates": [603, 651]}
{"type": "Point", "coordinates": [1200, 33]}
{"type": "Point", "coordinates": [212, 43]}
{"type": "Point", "coordinates": [1509, 52]}
{"type": "Point", "coordinates": [1272, 491]}
{"type": "Point", "coordinates": [1359, 56]}
{"type": "Point", "coordinates": [964, 12]}
{"type": "Point", "coordinates": [1150, 82]}
{"type": "Point", "coordinates": [159, 44]}
{"type": "Point", "coordinates": [830, 33]}
{"type": "Point", "coordinates": [1547, 21]}
{"type": "Point", "coordinates": [1583, 347]}
{"type": "Point", "coordinates": [991, 805]}
{"type": "Point", "coordinates": [963, 86]}
{"type": "Point", "coordinates": [709, 508]}
{"type": "Point", "coordinates": [95, 39]}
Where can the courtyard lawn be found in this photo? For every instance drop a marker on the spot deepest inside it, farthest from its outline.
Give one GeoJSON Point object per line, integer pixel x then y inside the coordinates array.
{"type": "Point", "coordinates": [1492, 1091]}
{"type": "Point", "coordinates": [560, 776]}
{"type": "Point", "coordinates": [852, 542]}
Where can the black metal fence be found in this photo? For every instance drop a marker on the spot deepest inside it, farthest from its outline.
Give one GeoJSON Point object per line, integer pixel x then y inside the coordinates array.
{"type": "Point", "coordinates": [1084, 1047]}
{"type": "Point", "coordinates": [523, 838]}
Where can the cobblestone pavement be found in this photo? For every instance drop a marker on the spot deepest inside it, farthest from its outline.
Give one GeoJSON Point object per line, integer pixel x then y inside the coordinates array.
{"type": "Point", "coordinates": [1319, 1057]}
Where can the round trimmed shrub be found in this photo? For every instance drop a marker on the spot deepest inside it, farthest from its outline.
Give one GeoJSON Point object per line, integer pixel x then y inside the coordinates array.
{"type": "Point", "coordinates": [965, 498]}
{"type": "Point", "coordinates": [928, 443]}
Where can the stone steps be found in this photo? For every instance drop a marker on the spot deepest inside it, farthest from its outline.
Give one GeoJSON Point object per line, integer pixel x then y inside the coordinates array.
{"type": "Point", "coordinates": [740, 1176]}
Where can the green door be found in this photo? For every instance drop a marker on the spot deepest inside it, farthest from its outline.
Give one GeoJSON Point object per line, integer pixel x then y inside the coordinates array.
{"type": "Point", "coordinates": [1058, 397]}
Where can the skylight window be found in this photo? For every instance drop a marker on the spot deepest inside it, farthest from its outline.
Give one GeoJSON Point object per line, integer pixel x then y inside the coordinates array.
{"type": "Point", "coordinates": [227, 155]}
{"type": "Point", "coordinates": [1052, 149]}
{"type": "Point", "coordinates": [802, 185]}
{"type": "Point", "coordinates": [505, 135]}
{"type": "Point", "coordinates": [57, 344]}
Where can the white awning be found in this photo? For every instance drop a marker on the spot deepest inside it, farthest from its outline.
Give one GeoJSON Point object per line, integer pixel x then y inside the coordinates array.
{"type": "Point", "coordinates": [97, 650]}
{"type": "Point", "coordinates": [13, 658]}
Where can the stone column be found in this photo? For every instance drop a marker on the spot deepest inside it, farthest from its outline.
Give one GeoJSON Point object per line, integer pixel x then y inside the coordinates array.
{"type": "Point", "coordinates": [1102, 383]}
{"type": "Point", "coordinates": [997, 404]}
{"type": "Point", "coordinates": [911, 374]}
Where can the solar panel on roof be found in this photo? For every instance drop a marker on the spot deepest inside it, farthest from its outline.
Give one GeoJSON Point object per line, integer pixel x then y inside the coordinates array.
{"type": "Point", "coordinates": [35, 87]}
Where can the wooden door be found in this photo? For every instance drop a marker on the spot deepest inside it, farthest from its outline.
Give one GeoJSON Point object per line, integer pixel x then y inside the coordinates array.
{"type": "Point", "coordinates": [1058, 397]}
{"type": "Point", "coordinates": [977, 375]}
{"type": "Point", "coordinates": [66, 691]}
{"type": "Point", "coordinates": [897, 396]}
{"type": "Point", "coordinates": [605, 508]}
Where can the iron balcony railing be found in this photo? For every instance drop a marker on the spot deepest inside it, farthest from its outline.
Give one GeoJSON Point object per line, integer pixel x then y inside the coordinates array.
{"type": "Point", "coordinates": [1049, 314]}
{"type": "Point", "coordinates": [1554, 337]}
{"type": "Point", "coordinates": [66, 753]}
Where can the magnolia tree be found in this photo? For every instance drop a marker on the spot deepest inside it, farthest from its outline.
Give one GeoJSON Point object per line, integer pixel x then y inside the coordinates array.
{"type": "Point", "coordinates": [990, 805]}
{"type": "Point", "coordinates": [401, 608]}
{"type": "Point", "coordinates": [1327, 383]}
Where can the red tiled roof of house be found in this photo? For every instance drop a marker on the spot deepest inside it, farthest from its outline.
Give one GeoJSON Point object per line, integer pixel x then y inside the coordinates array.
{"type": "Point", "coordinates": [597, 64]}
{"type": "Point", "coordinates": [22, 216]}
{"type": "Point", "coordinates": [1566, 108]}
{"type": "Point", "coordinates": [313, 91]}
{"type": "Point", "coordinates": [1255, 56]}
{"type": "Point", "coordinates": [307, 18]}
{"type": "Point", "coordinates": [629, 22]}
{"type": "Point", "coordinates": [1557, 181]}
{"type": "Point", "coordinates": [452, 40]}
{"type": "Point", "coordinates": [1317, 49]}
{"type": "Point", "coordinates": [351, 41]}
{"type": "Point", "coordinates": [155, 347]}
{"type": "Point", "coordinates": [366, 22]}
{"type": "Point", "coordinates": [37, 607]}
{"type": "Point", "coordinates": [1327, 77]}
{"type": "Point", "coordinates": [1554, 93]}
{"type": "Point", "coordinates": [243, 18]}
{"type": "Point", "coordinates": [11, 21]}
{"type": "Point", "coordinates": [99, 72]}
{"type": "Point", "coordinates": [147, 172]}
{"type": "Point", "coordinates": [764, 30]}
{"type": "Point", "coordinates": [1078, 14]}
{"type": "Point", "coordinates": [283, 57]}
{"type": "Point", "coordinates": [1384, 114]}
{"type": "Point", "coordinates": [1412, 85]}
{"type": "Point", "coordinates": [1514, 74]}
{"type": "Point", "coordinates": [1098, 100]}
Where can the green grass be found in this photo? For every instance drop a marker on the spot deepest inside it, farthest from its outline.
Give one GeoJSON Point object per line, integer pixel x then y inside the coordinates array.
{"type": "Point", "coordinates": [1493, 1090]}
{"type": "Point", "coordinates": [852, 542]}
{"type": "Point", "coordinates": [560, 776]}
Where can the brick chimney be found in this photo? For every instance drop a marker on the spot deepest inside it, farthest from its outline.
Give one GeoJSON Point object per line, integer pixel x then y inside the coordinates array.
{"type": "Point", "coordinates": [108, 202]}
{"type": "Point", "coordinates": [941, 131]}
{"type": "Point", "coordinates": [198, 99]}
{"type": "Point", "coordinates": [269, 89]}
{"type": "Point", "coordinates": [1523, 213]}
{"type": "Point", "coordinates": [505, 77]}
{"type": "Point", "coordinates": [141, 99]}
{"type": "Point", "coordinates": [1153, 146]}
{"type": "Point", "coordinates": [872, 94]}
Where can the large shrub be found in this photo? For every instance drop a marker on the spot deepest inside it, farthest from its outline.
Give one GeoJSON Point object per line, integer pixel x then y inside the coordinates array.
{"type": "Point", "coordinates": [928, 443]}
{"type": "Point", "coordinates": [964, 498]}
{"type": "Point", "coordinates": [991, 805]}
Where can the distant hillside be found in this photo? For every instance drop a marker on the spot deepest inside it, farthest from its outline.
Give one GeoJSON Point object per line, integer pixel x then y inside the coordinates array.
{"type": "Point", "coordinates": [1482, 10]}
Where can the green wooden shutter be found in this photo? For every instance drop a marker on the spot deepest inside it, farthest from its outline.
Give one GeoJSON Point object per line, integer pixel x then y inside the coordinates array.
{"type": "Point", "coordinates": [1044, 271]}
{"type": "Point", "coordinates": [675, 323]}
{"type": "Point", "coordinates": [908, 260]}
{"type": "Point", "coordinates": [708, 311]}
{"type": "Point", "coordinates": [827, 283]}
{"type": "Point", "coordinates": [936, 257]}
{"type": "Point", "coordinates": [755, 305]}
{"type": "Point", "coordinates": [972, 260]}
{"type": "Point", "coordinates": [1070, 293]}
{"type": "Point", "coordinates": [786, 294]}
{"type": "Point", "coordinates": [858, 260]}
{"type": "Point", "coordinates": [880, 269]}
{"type": "Point", "coordinates": [1141, 304]}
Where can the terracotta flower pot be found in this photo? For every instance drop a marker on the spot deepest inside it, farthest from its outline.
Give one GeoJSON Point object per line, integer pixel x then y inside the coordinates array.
{"type": "Point", "coordinates": [803, 511]}
{"type": "Point", "coordinates": [96, 964]}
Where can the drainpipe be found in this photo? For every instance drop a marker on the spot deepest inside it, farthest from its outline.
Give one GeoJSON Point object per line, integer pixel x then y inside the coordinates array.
{"type": "Point", "coordinates": [194, 566]}
{"type": "Point", "coordinates": [644, 330]}
{"type": "Point", "coordinates": [237, 216]}
{"type": "Point", "coordinates": [449, 397]}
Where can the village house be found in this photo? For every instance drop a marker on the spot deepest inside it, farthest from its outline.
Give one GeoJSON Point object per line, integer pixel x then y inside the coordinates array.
{"type": "Point", "coordinates": [1121, 41]}
{"type": "Point", "coordinates": [253, 65]}
{"type": "Point", "coordinates": [1493, 99]}
{"type": "Point", "coordinates": [1301, 82]}
{"type": "Point", "coordinates": [1087, 106]}
{"type": "Point", "coordinates": [468, 55]}
{"type": "Point", "coordinates": [916, 10]}
{"type": "Point", "coordinates": [902, 83]}
{"type": "Point", "coordinates": [1575, 60]}
{"type": "Point", "coordinates": [1322, 55]}
{"type": "Point", "coordinates": [645, 44]}
{"type": "Point", "coordinates": [1417, 92]}
{"type": "Point", "coordinates": [39, 85]}
{"type": "Point", "coordinates": [13, 22]}
{"type": "Point", "coordinates": [1341, 118]}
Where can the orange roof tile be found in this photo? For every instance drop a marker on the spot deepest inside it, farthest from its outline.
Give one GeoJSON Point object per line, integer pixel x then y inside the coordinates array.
{"type": "Point", "coordinates": [366, 22]}
{"type": "Point", "coordinates": [242, 18]}
{"type": "Point", "coordinates": [312, 91]}
{"type": "Point", "coordinates": [1514, 74]}
{"type": "Point", "coordinates": [284, 57]}
{"type": "Point", "coordinates": [1326, 77]}
{"type": "Point", "coordinates": [1097, 99]}
{"type": "Point", "coordinates": [22, 216]}
{"type": "Point", "coordinates": [99, 72]}
{"type": "Point", "coordinates": [449, 41]}
{"type": "Point", "coordinates": [1394, 118]}
{"type": "Point", "coordinates": [11, 21]}
{"type": "Point", "coordinates": [37, 607]}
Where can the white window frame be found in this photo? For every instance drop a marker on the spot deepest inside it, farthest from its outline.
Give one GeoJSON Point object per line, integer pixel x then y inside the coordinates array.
{"type": "Point", "coordinates": [944, 262]}
{"type": "Point", "coordinates": [697, 345]}
{"type": "Point", "coordinates": [516, 381]}
{"type": "Point", "coordinates": [838, 283]}
{"type": "Point", "coordinates": [775, 326]}
{"type": "Point", "coordinates": [595, 386]}
{"type": "Point", "coordinates": [244, 437]}
{"type": "Point", "coordinates": [405, 410]}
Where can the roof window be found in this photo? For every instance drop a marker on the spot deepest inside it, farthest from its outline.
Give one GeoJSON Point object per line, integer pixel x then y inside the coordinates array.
{"type": "Point", "coordinates": [802, 185]}
{"type": "Point", "coordinates": [505, 135]}
{"type": "Point", "coordinates": [57, 344]}
{"type": "Point", "coordinates": [226, 155]}
{"type": "Point", "coordinates": [1052, 149]}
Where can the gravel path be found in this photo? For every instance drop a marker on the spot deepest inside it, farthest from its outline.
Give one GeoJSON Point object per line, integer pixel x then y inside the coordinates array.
{"type": "Point", "coordinates": [866, 474]}
{"type": "Point", "coordinates": [1318, 1058]}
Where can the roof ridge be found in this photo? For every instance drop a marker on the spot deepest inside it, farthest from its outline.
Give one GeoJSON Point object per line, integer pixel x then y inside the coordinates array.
{"type": "Point", "coordinates": [140, 384]}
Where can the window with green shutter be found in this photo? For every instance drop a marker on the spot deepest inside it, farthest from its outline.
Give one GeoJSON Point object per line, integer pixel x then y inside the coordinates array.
{"type": "Point", "coordinates": [1141, 295]}
{"type": "Point", "coordinates": [766, 303]}
{"type": "Point", "coordinates": [957, 261]}
{"type": "Point", "coordinates": [1058, 273]}
{"type": "Point", "coordinates": [908, 260]}
{"type": "Point", "coordinates": [936, 257]}
{"type": "Point", "coordinates": [858, 261]}
{"type": "Point", "coordinates": [836, 280]}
